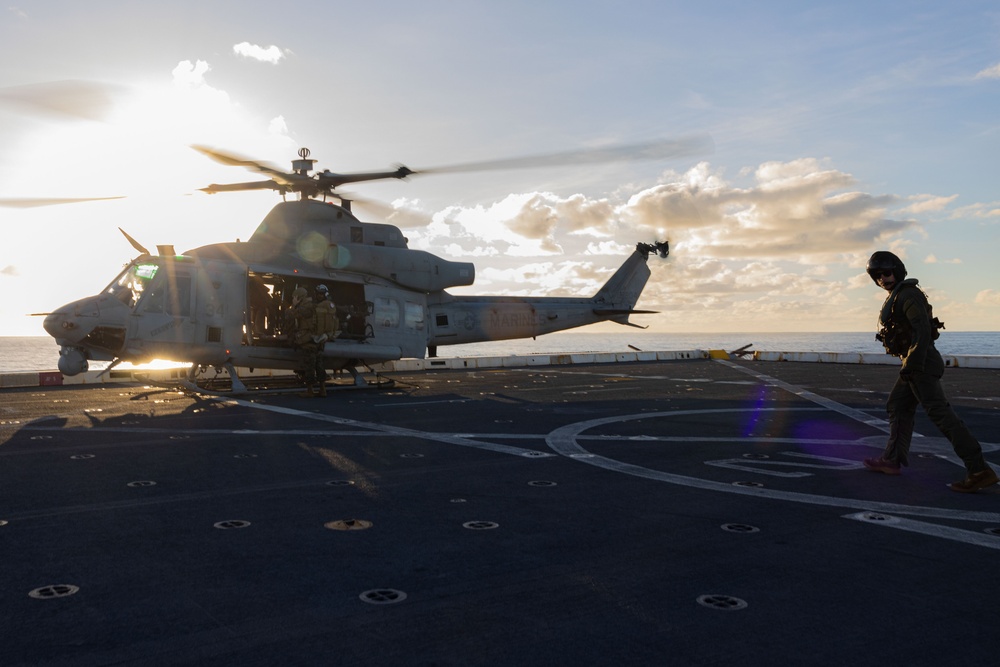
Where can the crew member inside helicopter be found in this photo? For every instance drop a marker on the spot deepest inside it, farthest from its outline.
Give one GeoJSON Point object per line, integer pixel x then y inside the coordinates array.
{"type": "Point", "coordinates": [327, 323]}
{"type": "Point", "coordinates": [262, 307]}
{"type": "Point", "coordinates": [327, 328]}
{"type": "Point", "coordinates": [301, 320]}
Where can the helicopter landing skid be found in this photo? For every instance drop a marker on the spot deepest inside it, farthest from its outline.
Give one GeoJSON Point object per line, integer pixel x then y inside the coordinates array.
{"type": "Point", "coordinates": [216, 386]}
{"type": "Point", "coordinates": [359, 380]}
{"type": "Point", "coordinates": [296, 389]}
{"type": "Point", "coordinates": [238, 386]}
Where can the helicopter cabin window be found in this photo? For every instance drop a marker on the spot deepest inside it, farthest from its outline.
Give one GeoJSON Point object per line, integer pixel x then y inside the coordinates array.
{"type": "Point", "coordinates": [414, 316]}
{"type": "Point", "coordinates": [386, 313]}
{"type": "Point", "coordinates": [357, 235]}
{"type": "Point", "coordinates": [130, 285]}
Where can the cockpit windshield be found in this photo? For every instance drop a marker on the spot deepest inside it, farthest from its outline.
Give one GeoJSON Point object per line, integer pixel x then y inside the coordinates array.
{"type": "Point", "coordinates": [129, 286]}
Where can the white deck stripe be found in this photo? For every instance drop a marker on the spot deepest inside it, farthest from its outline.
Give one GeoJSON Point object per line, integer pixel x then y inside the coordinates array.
{"type": "Point", "coordinates": [981, 539]}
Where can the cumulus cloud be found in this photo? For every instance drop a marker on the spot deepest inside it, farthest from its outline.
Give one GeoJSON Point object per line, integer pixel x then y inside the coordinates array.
{"type": "Point", "coordinates": [778, 241]}
{"type": "Point", "coordinates": [9, 270]}
{"type": "Point", "coordinates": [541, 214]}
{"type": "Point", "coordinates": [982, 211]}
{"type": "Point", "coordinates": [989, 73]}
{"type": "Point", "coordinates": [611, 248]}
{"type": "Point", "coordinates": [190, 75]}
{"type": "Point", "coordinates": [271, 54]}
{"type": "Point", "coordinates": [928, 203]}
{"type": "Point", "coordinates": [797, 211]}
{"type": "Point", "coordinates": [507, 226]}
{"type": "Point", "coordinates": [571, 277]}
{"type": "Point", "coordinates": [194, 111]}
{"type": "Point", "coordinates": [278, 125]}
{"type": "Point", "coordinates": [988, 297]}
{"type": "Point", "coordinates": [933, 259]}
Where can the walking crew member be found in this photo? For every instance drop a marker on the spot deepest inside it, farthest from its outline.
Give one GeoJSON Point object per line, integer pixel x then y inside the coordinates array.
{"type": "Point", "coordinates": [907, 329]}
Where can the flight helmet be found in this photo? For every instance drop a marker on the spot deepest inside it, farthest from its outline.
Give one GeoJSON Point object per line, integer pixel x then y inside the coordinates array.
{"type": "Point", "coordinates": [883, 260]}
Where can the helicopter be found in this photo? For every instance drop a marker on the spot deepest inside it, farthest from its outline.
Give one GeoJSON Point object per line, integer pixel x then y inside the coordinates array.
{"type": "Point", "coordinates": [223, 305]}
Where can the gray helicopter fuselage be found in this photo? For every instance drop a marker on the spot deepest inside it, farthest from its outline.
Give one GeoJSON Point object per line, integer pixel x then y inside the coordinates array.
{"type": "Point", "coordinates": [228, 303]}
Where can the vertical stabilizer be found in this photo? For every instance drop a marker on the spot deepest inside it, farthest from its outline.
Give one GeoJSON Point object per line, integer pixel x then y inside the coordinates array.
{"type": "Point", "coordinates": [622, 290]}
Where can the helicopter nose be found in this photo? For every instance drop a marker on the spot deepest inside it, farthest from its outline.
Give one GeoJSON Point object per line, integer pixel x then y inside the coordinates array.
{"type": "Point", "coordinates": [57, 324]}
{"type": "Point", "coordinates": [64, 324]}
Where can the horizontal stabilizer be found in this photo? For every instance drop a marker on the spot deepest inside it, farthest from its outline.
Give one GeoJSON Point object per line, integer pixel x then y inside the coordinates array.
{"type": "Point", "coordinates": [611, 312]}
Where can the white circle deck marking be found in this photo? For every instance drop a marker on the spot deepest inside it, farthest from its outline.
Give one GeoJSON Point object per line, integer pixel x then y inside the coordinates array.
{"type": "Point", "coordinates": [564, 441]}
{"type": "Point", "coordinates": [387, 429]}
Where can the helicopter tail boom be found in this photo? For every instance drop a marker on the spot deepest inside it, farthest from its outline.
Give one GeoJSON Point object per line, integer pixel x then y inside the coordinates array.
{"type": "Point", "coordinates": [461, 319]}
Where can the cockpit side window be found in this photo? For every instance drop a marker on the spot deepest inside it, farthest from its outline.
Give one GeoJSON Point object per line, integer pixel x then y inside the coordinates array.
{"type": "Point", "coordinates": [152, 301]}
{"type": "Point", "coordinates": [179, 304]}
{"type": "Point", "coordinates": [131, 284]}
{"type": "Point", "coordinates": [169, 293]}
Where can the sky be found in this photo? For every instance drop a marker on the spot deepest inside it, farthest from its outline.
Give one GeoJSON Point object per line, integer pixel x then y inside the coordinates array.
{"type": "Point", "coordinates": [836, 129]}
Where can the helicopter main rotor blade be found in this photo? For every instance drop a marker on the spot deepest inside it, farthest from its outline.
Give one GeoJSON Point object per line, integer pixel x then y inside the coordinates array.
{"type": "Point", "coordinates": [655, 150]}
{"type": "Point", "coordinates": [91, 100]}
{"type": "Point", "coordinates": [236, 187]}
{"type": "Point", "coordinates": [233, 160]}
{"type": "Point", "coordinates": [328, 179]}
{"type": "Point", "coordinates": [326, 182]}
{"type": "Point", "coordinates": [28, 202]}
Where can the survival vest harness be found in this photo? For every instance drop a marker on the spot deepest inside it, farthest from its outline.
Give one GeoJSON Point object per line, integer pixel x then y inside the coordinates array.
{"type": "Point", "coordinates": [327, 323]}
{"type": "Point", "coordinates": [895, 333]}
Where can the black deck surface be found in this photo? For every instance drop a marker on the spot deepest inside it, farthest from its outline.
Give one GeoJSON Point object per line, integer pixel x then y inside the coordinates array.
{"type": "Point", "coordinates": [670, 513]}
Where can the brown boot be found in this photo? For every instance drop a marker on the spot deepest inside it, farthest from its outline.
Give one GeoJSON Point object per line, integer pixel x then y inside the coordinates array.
{"type": "Point", "coordinates": [975, 481]}
{"type": "Point", "coordinates": [309, 392]}
{"type": "Point", "coordinates": [322, 390]}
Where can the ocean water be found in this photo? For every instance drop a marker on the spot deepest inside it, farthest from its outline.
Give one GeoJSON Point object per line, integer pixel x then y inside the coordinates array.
{"type": "Point", "coordinates": [40, 353]}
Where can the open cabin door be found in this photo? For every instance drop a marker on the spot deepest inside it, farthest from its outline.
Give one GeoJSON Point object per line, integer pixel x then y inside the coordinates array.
{"type": "Point", "coordinates": [269, 298]}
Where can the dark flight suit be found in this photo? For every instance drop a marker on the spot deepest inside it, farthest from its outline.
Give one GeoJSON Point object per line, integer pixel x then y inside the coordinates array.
{"type": "Point", "coordinates": [907, 312]}
{"type": "Point", "coordinates": [304, 328]}
{"type": "Point", "coordinates": [326, 330]}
